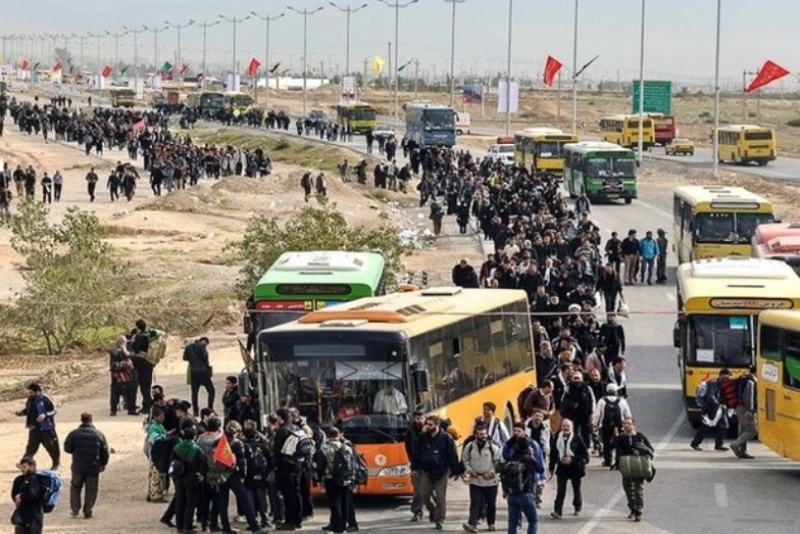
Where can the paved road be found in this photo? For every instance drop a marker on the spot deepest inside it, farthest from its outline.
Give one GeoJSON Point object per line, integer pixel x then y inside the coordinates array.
{"type": "Point", "coordinates": [780, 169]}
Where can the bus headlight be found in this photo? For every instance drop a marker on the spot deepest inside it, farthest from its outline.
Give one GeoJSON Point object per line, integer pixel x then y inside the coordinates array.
{"type": "Point", "coordinates": [396, 471]}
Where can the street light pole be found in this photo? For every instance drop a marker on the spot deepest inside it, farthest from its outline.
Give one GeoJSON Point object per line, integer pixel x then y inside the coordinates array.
{"type": "Point", "coordinates": [508, 67]}
{"type": "Point", "coordinates": [116, 37]}
{"type": "Point", "coordinates": [349, 10]}
{"type": "Point", "coordinates": [575, 71]}
{"type": "Point", "coordinates": [234, 21]}
{"type": "Point", "coordinates": [397, 6]}
{"type": "Point", "coordinates": [715, 135]}
{"type": "Point", "coordinates": [453, 51]}
{"type": "Point", "coordinates": [135, 33]}
{"type": "Point", "coordinates": [267, 20]}
{"type": "Point", "coordinates": [305, 13]}
{"type": "Point", "coordinates": [179, 66]}
{"type": "Point", "coordinates": [205, 26]}
{"type": "Point", "coordinates": [155, 45]}
{"type": "Point", "coordinates": [640, 155]}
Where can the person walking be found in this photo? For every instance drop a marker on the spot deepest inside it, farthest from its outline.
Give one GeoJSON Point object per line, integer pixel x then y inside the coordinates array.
{"type": "Point", "coordinates": [188, 479]}
{"type": "Point", "coordinates": [661, 262]}
{"type": "Point", "coordinates": [629, 249]}
{"type": "Point", "coordinates": [91, 182]}
{"type": "Point", "coordinates": [633, 443]}
{"type": "Point", "coordinates": [568, 459]}
{"type": "Point", "coordinates": [89, 451]}
{"type": "Point", "coordinates": [39, 413]}
{"type": "Point", "coordinates": [523, 461]}
{"type": "Point", "coordinates": [610, 413]}
{"type": "Point", "coordinates": [714, 420]}
{"type": "Point", "coordinates": [436, 216]}
{"type": "Point", "coordinates": [139, 347]}
{"type": "Point", "coordinates": [480, 458]}
{"type": "Point", "coordinates": [745, 413]}
{"type": "Point", "coordinates": [47, 189]}
{"type": "Point", "coordinates": [434, 457]}
{"type": "Point", "coordinates": [649, 251]}
{"type": "Point", "coordinates": [28, 515]}
{"type": "Point", "coordinates": [338, 476]}
{"type": "Point", "coordinates": [287, 472]}
{"type": "Point", "coordinates": [200, 372]}
{"type": "Point", "coordinates": [412, 435]}
{"type": "Point", "coordinates": [58, 185]}
{"type": "Point", "coordinates": [122, 381]}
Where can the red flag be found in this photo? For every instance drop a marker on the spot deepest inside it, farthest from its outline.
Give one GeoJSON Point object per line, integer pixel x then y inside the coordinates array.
{"type": "Point", "coordinates": [551, 68]}
{"type": "Point", "coordinates": [57, 65]}
{"type": "Point", "coordinates": [252, 69]}
{"type": "Point", "coordinates": [25, 64]}
{"type": "Point", "coordinates": [184, 68]}
{"type": "Point", "coordinates": [770, 72]}
{"type": "Point", "coordinates": [138, 125]}
{"type": "Point", "coordinates": [223, 453]}
{"type": "Point", "coordinates": [107, 70]}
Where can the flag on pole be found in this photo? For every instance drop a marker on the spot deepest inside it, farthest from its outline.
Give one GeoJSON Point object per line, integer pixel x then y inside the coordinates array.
{"type": "Point", "coordinates": [770, 72]}
{"type": "Point", "coordinates": [223, 453]}
{"type": "Point", "coordinates": [378, 63]}
{"type": "Point", "coordinates": [57, 65]}
{"type": "Point", "coordinates": [25, 64]}
{"type": "Point", "coordinates": [123, 70]}
{"type": "Point", "coordinates": [580, 70]}
{"type": "Point", "coordinates": [36, 65]}
{"type": "Point", "coordinates": [252, 68]}
{"type": "Point", "coordinates": [275, 67]}
{"type": "Point", "coordinates": [166, 67]}
{"type": "Point", "coordinates": [107, 70]}
{"type": "Point", "coordinates": [184, 68]}
{"type": "Point", "coordinates": [551, 68]}
{"type": "Point", "coordinates": [404, 65]}
{"type": "Point", "coordinates": [139, 125]}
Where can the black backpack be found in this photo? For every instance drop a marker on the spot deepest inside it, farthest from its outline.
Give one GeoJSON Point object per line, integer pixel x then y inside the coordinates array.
{"type": "Point", "coordinates": [513, 476]}
{"type": "Point", "coordinates": [344, 466]}
{"type": "Point", "coordinates": [612, 414]}
{"type": "Point", "coordinates": [257, 463]}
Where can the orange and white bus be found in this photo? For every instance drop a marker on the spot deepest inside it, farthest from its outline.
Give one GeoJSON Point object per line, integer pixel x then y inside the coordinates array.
{"type": "Point", "coordinates": [445, 351]}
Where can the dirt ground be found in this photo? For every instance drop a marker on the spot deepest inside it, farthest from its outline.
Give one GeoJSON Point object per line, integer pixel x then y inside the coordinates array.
{"type": "Point", "coordinates": [177, 241]}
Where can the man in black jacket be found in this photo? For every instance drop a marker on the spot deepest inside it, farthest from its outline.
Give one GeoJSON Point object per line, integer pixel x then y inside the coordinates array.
{"type": "Point", "coordinates": [287, 474]}
{"type": "Point", "coordinates": [200, 372]}
{"type": "Point", "coordinates": [140, 345]}
{"type": "Point", "coordinates": [568, 459]}
{"type": "Point", "coordinates": [414, 432]}
{"type": "Point", "coordinates": [434, 457]}
{"type": "Point", "coordinates": [89, 451]}
{"type": "Point", "coordinates": [28, 516]}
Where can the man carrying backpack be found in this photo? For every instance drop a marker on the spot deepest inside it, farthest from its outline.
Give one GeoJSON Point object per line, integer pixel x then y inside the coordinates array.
{"type": "Point", "coordinates": [288, 469]}
{"type": "Point", "coordinates": [89, 451]}
{"type": "Point", "coordinates": [200, 372]}
{"type": "Point", "coordinates": [523, 464]}
{"type": "Point", "coordinates": [611, 410]}
{"type": "Point", "coordinates": [231, 481]}
{"type": "Point", "coordinates": [480, 458]}
{"type": "Point", "coordinates": [28, 516]}
{"type": "Point", "coordinates": [745, 413]}
{"type": "Point", "coordinates": [709, 398]}
{"type": "Point", "coordinates": [337, 469]}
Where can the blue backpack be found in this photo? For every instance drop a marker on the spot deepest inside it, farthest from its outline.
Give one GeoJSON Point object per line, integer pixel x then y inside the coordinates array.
{"type": "Point", "coordinates": [50, 487]}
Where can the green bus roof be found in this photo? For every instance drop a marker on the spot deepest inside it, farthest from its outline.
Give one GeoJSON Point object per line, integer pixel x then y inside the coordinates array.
{"type": "Point", "coordinates": [364, 269]}
{"type": "Point", "coordinates": [597, 147]}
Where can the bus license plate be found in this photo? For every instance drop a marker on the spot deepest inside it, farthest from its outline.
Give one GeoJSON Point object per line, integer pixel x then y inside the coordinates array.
{"type": "Point", "coordinates": [613, 195]}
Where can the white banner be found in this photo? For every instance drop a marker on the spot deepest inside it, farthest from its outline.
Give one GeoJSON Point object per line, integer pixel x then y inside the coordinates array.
{"type": "Point", "coordinates": [233, 82]}
{"type": "Point", "coordinates": [503, 97]}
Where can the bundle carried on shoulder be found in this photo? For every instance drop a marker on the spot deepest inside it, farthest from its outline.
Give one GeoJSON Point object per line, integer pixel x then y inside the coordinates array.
{"type": "Point", "coordinates": [158, 346]}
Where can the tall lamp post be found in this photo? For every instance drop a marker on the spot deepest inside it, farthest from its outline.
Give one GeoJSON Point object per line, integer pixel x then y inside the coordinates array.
{"type": "Point", "coordinates": [205, 26]}
{"type": "Point", "coordinates": [267, 20]}
{"type": "Point", "coordinates": [508, 68]}
{"type": "Point", "coordinates": [349, 10]}
{"type": "Point", "coordinates": [179, 66]}
{"type": "Point", "coordinates": [234, 21]}
{"type": "Point", "coordinates": [135, 33]}
{"type": "Point", "coordinates": [83, 57]}
{"type": "Point", "coordinates": [715, 149]}
{"type": "Point", "coordinates": [640, 155]}
{"type": "Point", "coordinates": [305, 13]}
{"type": "Point", "coordinates": [574, 71]}
{"type": "Point", "coordinates": [155, 31]}
{"type": "Point", "coordinates": [116, 37]}
{"type": "Point", "coordinates": [98, 36]}
{"type": "Point", "coordinates": [453, 51]}
{"type": "Point", "coordinates": [397, 6]}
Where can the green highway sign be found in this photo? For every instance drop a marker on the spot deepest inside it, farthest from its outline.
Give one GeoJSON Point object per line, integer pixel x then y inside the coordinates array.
{"type": "Point", "coordinates": [657, 96]}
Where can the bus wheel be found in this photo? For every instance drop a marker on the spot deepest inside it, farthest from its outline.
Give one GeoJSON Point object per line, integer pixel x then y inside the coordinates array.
{"type": "Point", "coordinates": [628, 200]}
{"type": "Point", "coordinates": [509, 417]}
{"type": "Point", "coordinates": [762, 163]}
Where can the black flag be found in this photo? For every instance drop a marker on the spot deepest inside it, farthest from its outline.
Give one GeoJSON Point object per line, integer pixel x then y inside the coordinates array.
{"type": "Point", "coordinates": [575, 76]}
{"type": "Point", "coordinates": [273, 69]}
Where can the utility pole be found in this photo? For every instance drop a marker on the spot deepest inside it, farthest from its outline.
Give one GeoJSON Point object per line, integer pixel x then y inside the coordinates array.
{"type": "Point", "coordinates": [305, 13]}
{"type": "Point", "coordinates": [155, 46]}
{"type": "Point", "coordinates": [205, 26]}
{"type": "Point", "coordinates": [416, 79]}
{"type": "Point", "coordinates": [508, 67]}
{"type": "Point", "coordinates": [268, 20]}
{"type": "Point", "coordinates": [397, 6]}
{"type": "Point", "coordinates": [349, 10]}
{"type": "Point", "coordinates": [136, 33]}
{"type": "Point", "coordinates": [453, 50]}
{"type": "Point", "coordinates": [179, 57]}
{"type": "Point", "coordinates": [234, 21]}
{"type": "Point", "coordinates": [116, 37]}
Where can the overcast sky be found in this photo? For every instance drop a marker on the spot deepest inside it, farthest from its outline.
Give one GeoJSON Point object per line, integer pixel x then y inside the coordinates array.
{"type": "Point", "coordinates": [679, 42]}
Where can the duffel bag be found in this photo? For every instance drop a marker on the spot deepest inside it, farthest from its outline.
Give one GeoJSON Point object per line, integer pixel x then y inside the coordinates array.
{"type": "Point", "coordinates": [633, 466]}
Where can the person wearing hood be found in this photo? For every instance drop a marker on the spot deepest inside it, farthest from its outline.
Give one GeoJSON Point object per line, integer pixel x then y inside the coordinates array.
{"type": "Point", "coordinates": [608, 416]}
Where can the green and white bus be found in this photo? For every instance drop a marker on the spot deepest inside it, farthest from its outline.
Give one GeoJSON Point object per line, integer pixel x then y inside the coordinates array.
{"type": "Point", "coordinates": [302, 282]}
{"type": "Point", "coordinates": [604, 171]}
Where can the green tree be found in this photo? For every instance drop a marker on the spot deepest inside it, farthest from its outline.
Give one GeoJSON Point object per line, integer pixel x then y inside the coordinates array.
{"type": "Point", "coordinates": [73, 282]}
{"type": "Point", "coordinates": [313, 228]}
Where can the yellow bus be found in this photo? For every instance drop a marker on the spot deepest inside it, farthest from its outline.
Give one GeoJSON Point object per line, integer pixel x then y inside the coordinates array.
{"type": "Point", "coordinates": [718, 305]}
{"type": "Point", "coordinates": [122, 97]}
{"type": "Point", "coordinates": [778, 390]}
{"type": "Point", "coordinates": [357, 116]}
{"type": "Point", "coordinates": [711, 221]}
{"type": "Point", "coordinates": [444, 350]}
{"type": "Point", "coordinates": [744, 143]}
{"type": "Point", "coordinates": [238, 102]}
{"type": "Point", "coordinates": [623, 130]}
{"type": "Point", "coordinates": [540, 150]}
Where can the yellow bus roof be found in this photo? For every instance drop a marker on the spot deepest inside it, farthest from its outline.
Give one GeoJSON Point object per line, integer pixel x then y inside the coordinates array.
{"type": "Point", "coordinates": [737, 282]}
{"type": "Point", "coordinates": [722, 197]}
{"type": "Point", "coordinates": [544, 132]}
{"type": "Point", "coordinates": [787, 319]}
{"type": "Point", "coordinates": [623, 116]}
{"type": "Point", "coordinates": [741, 127]}
{"type": "Point", "coordinates": [412, 312]}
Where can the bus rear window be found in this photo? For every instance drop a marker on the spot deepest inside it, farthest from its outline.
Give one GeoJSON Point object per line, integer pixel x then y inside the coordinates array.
{"type": "Point", "coordinates": [758, 136]}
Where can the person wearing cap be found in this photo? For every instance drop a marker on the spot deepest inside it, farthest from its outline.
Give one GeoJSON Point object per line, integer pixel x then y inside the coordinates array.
{"type": "Point", "coordinates": [661, 263]}
{"type": "Point", "coordinates": [610, 427]}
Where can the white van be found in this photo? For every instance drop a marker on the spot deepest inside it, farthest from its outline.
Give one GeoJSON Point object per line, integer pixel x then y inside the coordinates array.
{"type": "Point", "coordinates": [462, 123]}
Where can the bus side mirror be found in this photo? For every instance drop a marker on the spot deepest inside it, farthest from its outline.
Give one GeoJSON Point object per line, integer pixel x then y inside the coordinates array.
{"type": "Point", "coordinates": [421, 381]}
{"type": "Point", "coordinates": [247, 324]}
{"type": "Point", "coordinates": [676, 335]}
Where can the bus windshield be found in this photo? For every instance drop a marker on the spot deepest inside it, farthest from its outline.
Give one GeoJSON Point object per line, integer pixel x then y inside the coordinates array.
{"type": "Point", "coordinates": [606, 168]}
{"type": "Point", "coordinates": [362, 114]}
{"type": "Point", "coordinates": [548, 150]}
{"type": "Point", "coordinates": [211, 100]}
{"type": "Point", "coordinates": [724, 340]}
{"type": "Point", "coordinates": [728, 227]}
{"type": "Point", "coordinates": [340, 378]}
{"type": "Point", "coordinates": [439, 119]}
